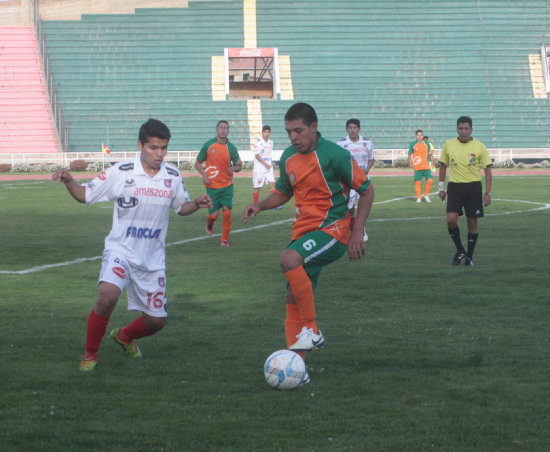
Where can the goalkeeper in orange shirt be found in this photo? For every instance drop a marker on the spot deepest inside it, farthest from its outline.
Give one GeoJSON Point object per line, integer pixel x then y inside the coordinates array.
{"type": "Point", "coordinates": [420, 159]}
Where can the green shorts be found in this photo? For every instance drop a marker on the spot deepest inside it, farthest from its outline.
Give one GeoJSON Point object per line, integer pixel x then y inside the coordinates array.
{"type": "Point", "coordinates": [419, 173]}
{"type": "Point", "coordinates": [317, 249]}
{"type": "Point", "coordinates": [220, 197]}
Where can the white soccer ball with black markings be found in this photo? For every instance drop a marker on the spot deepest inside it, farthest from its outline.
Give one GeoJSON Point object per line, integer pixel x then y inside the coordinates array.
{"type": "Point", "coordinates": [284, 369]}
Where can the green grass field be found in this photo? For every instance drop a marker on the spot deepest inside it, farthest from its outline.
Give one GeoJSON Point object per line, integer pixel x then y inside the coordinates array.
{"type": "Point", "coordinates": [419, 355]}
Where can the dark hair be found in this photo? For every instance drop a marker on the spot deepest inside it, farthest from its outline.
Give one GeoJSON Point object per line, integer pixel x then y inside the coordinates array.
{"type": "Point", "coordinates": [264, 128]}
{"type": "Point", "coordinates": [353, 121]}
{"type": "Point", "coordinates": [419, 130]}
{"type": "Point", "coordinates": [302, 111]}
{"type": "Point", "coordinates": [153, 128]}
{"type": "Point", "coordinates": [222, 121]}
{"type": "Point", "coordinates": [426, 138]}
{"type": "Point", "coordinates": [463, 119]}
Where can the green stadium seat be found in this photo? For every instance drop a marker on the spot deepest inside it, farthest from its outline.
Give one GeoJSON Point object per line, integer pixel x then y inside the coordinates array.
{"type": "Point", "coordinates": [395, 66]}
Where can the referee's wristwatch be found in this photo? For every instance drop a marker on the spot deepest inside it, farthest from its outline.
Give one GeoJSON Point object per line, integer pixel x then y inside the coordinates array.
{"type": "Point", "coordinates": [489, 193]}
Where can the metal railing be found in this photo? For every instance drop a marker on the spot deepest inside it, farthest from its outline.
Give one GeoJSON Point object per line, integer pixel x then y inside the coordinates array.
{"type": "Point", "coordinates": [61, 127]}
{"type": "Point", "coordinates": [178, 157]}
{"type": "Point", "coordinates": [65, 158]}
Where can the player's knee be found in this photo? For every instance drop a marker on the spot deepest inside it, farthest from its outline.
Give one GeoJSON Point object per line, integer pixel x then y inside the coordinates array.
{"type": "Point", "coordinates": [471, 223]}
{"type": "Point", "coordinates": [107, 298]}
{"type": "Point", "coordinates": [452, 221]}
{"type": "Point", "coordinates": [290, 259]}
{"type": "Point", "coordinates": [154, 323]}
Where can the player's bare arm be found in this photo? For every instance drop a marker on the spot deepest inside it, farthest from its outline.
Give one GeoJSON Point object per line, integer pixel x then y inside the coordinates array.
{"type": "Point", "coordinates": [442, 175]}
{"type": "Point", "coordinates": [76, 190]}
{"type": "Point", "coordinates": [274, 200]}
{"type": "Point", "coordinates": [192, 206]}
{"type": "Point", "coordinates": [235, 168]}
{"type": "Point", "coordinates": [356, 245]}
{"type": "Point", "coordinates": [369, 166]}
{"type": "Point", "coordinates": [488, 184]}
{"type": "Point", "coordinates": [202, 172]}
{"type": "Point", "coordinates": [262, 161]}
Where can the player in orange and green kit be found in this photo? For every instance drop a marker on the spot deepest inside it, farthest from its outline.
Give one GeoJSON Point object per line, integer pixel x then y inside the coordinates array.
{"type": "Point", "coordinates": [319, 174]}
{"type": "Point", "coordinates": [420, 159]}
{"type": "Point", "coordinates": [221, 160]}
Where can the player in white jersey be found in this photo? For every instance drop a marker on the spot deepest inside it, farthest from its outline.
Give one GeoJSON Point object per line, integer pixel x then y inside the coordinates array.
{"type": "Point", "coordinates": [362, 151]}
{"type": "Point", "coordinates": [262, 171]}
{"type": "Point", "coordinates": [143, 191]}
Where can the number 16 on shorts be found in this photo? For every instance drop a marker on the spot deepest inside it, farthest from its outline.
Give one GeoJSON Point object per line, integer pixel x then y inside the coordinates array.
{"type": "Point", "coordinates": [155, 300]}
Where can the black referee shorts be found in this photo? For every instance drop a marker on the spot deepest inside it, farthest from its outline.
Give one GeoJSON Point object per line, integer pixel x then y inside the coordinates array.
{"type": "Point", "coordinates": [465, 195]}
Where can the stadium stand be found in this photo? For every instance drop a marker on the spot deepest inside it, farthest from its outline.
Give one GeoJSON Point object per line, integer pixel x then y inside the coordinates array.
{"type": "Point", "coordinates": [73, 9]}
{"type": "Point", "coordinates": [24, 109]}
{"type": "Point", "coordinates": [397, 66]}
{"type": "Point", "coordinates": [401, 65]}
{"type": "Point", "coordinates": [113, 71]}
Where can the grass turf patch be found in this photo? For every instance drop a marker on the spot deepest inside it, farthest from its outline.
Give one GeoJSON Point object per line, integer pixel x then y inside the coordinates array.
{"type": "Point", "coordinates": [418, 354]}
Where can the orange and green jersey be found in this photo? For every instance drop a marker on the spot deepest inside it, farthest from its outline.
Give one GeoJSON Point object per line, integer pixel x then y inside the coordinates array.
{"type": "Point", "coordinates": [320, 181]}
{"type": "Point", "coordinates": [421, 152]}
{"type": "Point", "coordinates": [217, 159]}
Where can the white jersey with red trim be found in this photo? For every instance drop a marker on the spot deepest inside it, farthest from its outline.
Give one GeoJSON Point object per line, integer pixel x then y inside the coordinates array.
{"type": "Point", "coordinates": [141, 209]}
{"type": "Point", "coordinates": [264, 150]}
{"type": "Point", "coordinates": [361, 150]}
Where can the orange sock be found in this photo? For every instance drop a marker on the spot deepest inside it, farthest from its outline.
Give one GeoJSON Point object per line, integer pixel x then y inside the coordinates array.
{"type": "Point", "coordinates": [226, 224]}
{"type": "Point", "coordinates": [256, 197]}
{"type": "Point", "coordinates": [210, 219]}
{"type": "Point", "coordinates": [418, 188]}
{"type": "Point", "coordinates": [293, 325]}
{"type": "Point", "coordinates": [303, 294]}
{"type": "Point", "coordinates": [429, 183]}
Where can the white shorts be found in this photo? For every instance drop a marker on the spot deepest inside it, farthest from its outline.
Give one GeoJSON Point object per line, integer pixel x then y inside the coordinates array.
{"type": "Point", "coordinates": [146, 290]}
{"type": "Point", "coordinates": [260, 177]}
{"type": "Point", "coordinates": [353, 198]}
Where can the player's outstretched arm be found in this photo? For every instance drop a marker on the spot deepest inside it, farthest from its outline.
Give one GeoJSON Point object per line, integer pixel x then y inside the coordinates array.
{"type": "Point", "coordinates": [275, 199]}
{"type": "Point", "coordinates": [251, 210]}
{"type": "Point", "coordinates": [356, 245]}
{"type": "Point", "coordinates": [76, 190]}
{"type": "Point", "coordinates": [192, 206]}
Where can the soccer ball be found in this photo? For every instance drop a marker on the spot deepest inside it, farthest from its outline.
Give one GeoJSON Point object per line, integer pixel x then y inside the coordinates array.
{"type": "Point", "coordinates": [284, 369]}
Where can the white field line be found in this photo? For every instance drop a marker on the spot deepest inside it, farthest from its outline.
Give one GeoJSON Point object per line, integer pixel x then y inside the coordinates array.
{"type": "Point", "coordinates": [541, 206]}
{"type": "Point", "coordinates": [20, 186]}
